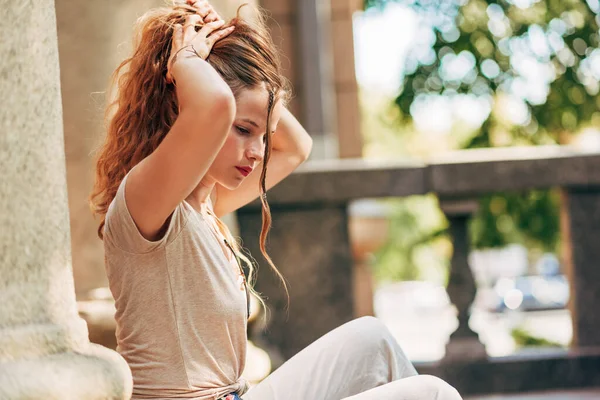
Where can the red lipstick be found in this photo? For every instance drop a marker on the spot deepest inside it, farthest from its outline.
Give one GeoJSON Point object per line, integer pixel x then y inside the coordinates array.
{"type": "Point", "coordinates": [244, 170]}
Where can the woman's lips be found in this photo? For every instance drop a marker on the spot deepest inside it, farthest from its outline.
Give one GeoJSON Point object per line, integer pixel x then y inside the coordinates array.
{"type": "Point", "coordinates": [244, 170]}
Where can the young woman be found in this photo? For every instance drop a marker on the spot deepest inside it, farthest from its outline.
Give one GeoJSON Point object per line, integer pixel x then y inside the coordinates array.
{"type": "Point", "coordinates": [199, 115]}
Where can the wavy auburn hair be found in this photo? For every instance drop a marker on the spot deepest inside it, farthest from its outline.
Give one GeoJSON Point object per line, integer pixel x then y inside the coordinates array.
{"type": "Point", "coordinates": [144, 106]}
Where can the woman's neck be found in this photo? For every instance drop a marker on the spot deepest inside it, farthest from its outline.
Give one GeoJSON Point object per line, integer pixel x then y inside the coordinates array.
{"type": "Point", "coordinates": [201, 194]}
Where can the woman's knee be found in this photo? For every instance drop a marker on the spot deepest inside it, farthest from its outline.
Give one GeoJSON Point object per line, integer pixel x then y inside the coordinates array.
{"type": "Point", "coordinates": [370, 339]}
{"type": "Point", "coordinates": [437, 388]}
{"type": "Point", "coordinates": [367, 330]}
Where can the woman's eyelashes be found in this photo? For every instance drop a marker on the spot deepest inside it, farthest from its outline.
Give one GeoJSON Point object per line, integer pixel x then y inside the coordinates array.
{"type": "Point", "coordinates": [246, 132]}
{"type": "Point", "coordinates": [243, 130]}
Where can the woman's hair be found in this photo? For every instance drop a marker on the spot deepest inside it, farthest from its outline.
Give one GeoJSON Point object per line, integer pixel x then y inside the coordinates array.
{"type": "Point", "coordinates": [144, 107]}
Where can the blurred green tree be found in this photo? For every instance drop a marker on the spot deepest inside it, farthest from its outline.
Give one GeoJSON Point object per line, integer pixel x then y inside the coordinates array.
{"type": "Point", "coordinates": [543, 55]}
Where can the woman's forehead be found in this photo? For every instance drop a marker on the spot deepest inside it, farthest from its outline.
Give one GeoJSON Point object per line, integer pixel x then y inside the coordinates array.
{"type": "Point", "coordinates": [254, 103]}
{"type": "Point", "coordinates": [255, 99]}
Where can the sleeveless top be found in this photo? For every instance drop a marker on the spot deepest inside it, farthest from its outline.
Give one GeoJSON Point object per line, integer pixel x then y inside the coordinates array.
{"type": "Point", "coordinates": [181, 305]}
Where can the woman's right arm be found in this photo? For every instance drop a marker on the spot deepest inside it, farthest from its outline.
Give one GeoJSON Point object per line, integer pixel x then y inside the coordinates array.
{"type": "Point", "coordinates": [162, 180]}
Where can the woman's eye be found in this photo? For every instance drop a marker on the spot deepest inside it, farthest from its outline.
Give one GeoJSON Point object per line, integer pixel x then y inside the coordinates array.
{"type": "Point", "coordinates": [243, 131]}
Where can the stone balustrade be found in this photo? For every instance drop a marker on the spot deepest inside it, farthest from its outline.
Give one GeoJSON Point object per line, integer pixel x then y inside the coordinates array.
{"type": "Point", "coordinates": [310, 245]}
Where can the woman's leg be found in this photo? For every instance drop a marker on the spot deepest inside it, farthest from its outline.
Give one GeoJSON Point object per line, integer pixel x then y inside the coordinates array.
{"type": "Point", "coordinates": [420, 387]}
{"type": "Point", "coordinates": [356, 357]}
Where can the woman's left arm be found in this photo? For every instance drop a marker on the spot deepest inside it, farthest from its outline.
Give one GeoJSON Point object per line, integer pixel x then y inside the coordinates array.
{"type": "Point", "coordinates": [291, 147]}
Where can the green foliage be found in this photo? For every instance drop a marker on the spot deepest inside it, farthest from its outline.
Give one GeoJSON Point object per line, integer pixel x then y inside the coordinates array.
{"type": "Point", "coordinates": [413, 251]}
{"type": "Point", "coordinates": [501, 40]}
{"type": "Point", "coordinates": [498, 37]}
{"type": "Point", "coordinates": [525, 339]}
{"type": "Point", "coordinates": [531, 218]}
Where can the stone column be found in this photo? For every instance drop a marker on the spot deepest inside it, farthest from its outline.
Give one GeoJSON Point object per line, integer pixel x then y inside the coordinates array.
{"type": "Point", "coordinates": [369, 230]}
{"type": "Point", "coordinates": [302, 31]}
{"type": "Point", "coordinates": [310, 247]}
{"type": "Point", "coordinates": [44, 350]}
{"type": "Point", "coordinates": [344, 73]}
{"type": "Point", "coordinates": [316, 69]}
{"type": "Point", "coordinates": [464, 343]}
{"type": "Point", "coordinates": [581, 254]}
{"type": "Point", "coordinates": [283, 25]}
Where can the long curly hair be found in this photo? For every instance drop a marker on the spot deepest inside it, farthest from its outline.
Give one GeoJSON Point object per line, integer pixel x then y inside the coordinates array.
{"type": "Point", "coordinates": [144, 106]}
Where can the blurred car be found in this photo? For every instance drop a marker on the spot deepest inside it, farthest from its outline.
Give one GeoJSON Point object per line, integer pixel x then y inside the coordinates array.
{"type": "Point", "coordinates": [531, 293]}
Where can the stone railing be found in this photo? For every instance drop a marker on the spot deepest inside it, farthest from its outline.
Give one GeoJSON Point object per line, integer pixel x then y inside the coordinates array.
{"type": "Point", "coordinates": [310, 243]}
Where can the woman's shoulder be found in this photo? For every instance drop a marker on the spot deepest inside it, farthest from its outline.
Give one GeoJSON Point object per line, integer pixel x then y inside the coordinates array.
{"type": "Point", "coordinates": [121, 230]}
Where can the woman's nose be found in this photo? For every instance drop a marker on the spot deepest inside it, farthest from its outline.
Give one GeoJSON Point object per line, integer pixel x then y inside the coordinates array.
{"type": "Point", "coordinates": [256, 151]}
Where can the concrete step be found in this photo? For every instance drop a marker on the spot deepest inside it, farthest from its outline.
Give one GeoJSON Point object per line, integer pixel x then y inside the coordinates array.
{"type": "Point", "coordinates": [584, 394]}
{"type": "Point", "coordinates": [545, 370]}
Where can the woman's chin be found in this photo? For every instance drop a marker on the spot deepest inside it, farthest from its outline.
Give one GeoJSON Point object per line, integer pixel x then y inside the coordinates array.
{"type": "Point", "coordinates": [232, 184]}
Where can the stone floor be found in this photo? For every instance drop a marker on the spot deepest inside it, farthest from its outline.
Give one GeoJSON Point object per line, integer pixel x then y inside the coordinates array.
{"type": "Point", "coordinates": [589, 394]}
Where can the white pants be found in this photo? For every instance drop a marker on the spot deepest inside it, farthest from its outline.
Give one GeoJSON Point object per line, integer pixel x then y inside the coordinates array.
{"type": "Point", "coordinates": [360, 360]}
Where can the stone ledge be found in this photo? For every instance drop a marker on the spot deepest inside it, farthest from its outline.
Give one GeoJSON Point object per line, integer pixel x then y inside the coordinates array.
{"type": "Point", "coordinates": [340, 181]}
{"type": "Point", "coordinates": [473, 172]}
{"type": "Point", "coordinates": [460, 174]}
{"type": "Point", "coordinates": [552, 369]}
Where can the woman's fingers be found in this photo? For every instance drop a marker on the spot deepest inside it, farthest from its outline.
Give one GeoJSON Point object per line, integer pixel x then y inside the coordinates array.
{"type": "Point", "coordinates": [196, 3]}
{"type": "Point", "coordinates": [218, 35]}
{"type": "Point", "coordinates": [210, 27]}
{"type": "Point", "coordinates": [200, 41]}
{"type": "Point", "coordinates": [191, 21]}
{"type": "Point", "coordinates": [205, 10]}
{"type": "Point", "coordinates": [212, 16]}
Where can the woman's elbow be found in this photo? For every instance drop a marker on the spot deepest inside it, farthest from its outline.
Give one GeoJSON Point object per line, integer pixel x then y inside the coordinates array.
{"type": "Point", "coordinates": [215, 109]}
{"type": "Point", "coordinates": [306, 148]}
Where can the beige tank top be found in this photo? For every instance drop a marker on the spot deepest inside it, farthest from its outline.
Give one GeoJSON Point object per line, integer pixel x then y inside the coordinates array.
{"type": "Point", "coordinates": [181, 306]}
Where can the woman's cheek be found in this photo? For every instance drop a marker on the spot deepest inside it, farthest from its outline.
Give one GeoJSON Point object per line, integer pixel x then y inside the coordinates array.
{"type": "Point", "coordinates": [230, 142]}
{"type": "Point", "coordinates": [239, 143]}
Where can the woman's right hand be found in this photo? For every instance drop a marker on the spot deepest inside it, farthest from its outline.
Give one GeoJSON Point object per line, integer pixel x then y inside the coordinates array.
{"type": "Point", "coordinates": [195, 43]}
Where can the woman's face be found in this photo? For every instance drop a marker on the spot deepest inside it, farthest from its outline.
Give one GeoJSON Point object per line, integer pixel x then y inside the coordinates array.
{"type": "Point", "coordinates": [245, 145]}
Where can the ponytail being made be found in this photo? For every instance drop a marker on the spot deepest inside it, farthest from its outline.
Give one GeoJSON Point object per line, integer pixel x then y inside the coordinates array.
{"type": "Point", "coordinates": [144, 105]}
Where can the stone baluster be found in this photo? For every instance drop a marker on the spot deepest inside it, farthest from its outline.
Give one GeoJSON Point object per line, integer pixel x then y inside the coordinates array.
{"type": "Point", "coordinates": [464, 343]}
{"type": "Point", "coordinates": [44, 348]}
{"type": "Point", "coordinates": [369, 230]}
{"type": "Point", "coordinates": [580, 222]}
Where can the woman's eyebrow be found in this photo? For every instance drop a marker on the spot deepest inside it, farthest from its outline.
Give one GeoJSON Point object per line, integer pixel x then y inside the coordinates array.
{"type": "Point", "coordinates": [250, 122]}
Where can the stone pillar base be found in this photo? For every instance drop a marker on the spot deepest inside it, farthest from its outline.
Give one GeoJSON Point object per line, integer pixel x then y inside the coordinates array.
{"type": "Point", "coordinates": [97, 374]}
{"type": "Point", "coordinates": [465, 349]}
